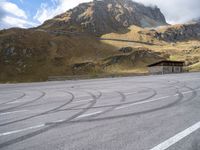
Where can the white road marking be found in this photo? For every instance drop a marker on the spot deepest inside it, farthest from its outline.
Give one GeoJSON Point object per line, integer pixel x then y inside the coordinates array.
{"type": "Point", "coordinates": [54, 122]}
{"type": "Point", "coordinates": [130, 93]}
{"type": "Point", "coordinates": [186, 92]}
{"type": "Point", "coordinates": [86, 115]}
{"type": "Point", "coordinates": [153, 100]}
{"type": "Point", "coordinates": [191, 79]}
{"type": "Point", "coordinates": [13, 112]}
{"type": "Point", "coordinates": [14, 102]}
{"type": "Point", "coordinates": [60, 120]}
{"type": "Point", "coordinates": [173, 140]}
{"type": "Point", "coordinates": [42, 125]}
{"type": "Point", "coordinates": [143, 102]}
{"type": "Point", "coordinates": [82, 101]}
{"type": "Point", "coordinates": [21, 130]}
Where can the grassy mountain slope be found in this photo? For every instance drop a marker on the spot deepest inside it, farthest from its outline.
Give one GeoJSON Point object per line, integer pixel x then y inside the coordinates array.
{"type": "Point", "coordinates": [34, 55]}
{"type": "Point", "coordinates": [31, 55]}
{"type": "Point", "coordinates": [187, 50]}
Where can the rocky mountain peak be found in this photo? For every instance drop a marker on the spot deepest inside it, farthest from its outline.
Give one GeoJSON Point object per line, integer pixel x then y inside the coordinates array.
{"type": "Point", "coordinates": [104, 16]}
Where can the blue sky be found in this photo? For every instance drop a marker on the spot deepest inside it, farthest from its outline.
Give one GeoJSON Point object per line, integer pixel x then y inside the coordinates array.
{"type": "Point", "coordinates": [29, 13]}
{"type": "Point", "coordinates": [29, 6]}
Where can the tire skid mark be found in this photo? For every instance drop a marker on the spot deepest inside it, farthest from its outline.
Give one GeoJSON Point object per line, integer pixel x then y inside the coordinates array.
{"type": "Point", "coordinates": [123, 99]}
{"type": "Point", "coordinates": [123, 96]}
{"type": "Point", "coordinates": [49, 126]}
{"type": "Point", "coordinates": [154, 93]}
{"type": "Point", "coordinates": [15, 99]}
{"type": "Point", "coordinates": [193, 91]}
{"type": "Point", "coordinates": [50, 103]}
{"type": "Point", "coordinates": [25, 103]}
{"type": "Point", "coordinates": [75, 107]}
{"type": "Point", "coordinates": [41, 114]}
{"type": "Point", "coordinates": [85, 89]}
{"type": "Point", "coordinates": [100, 94]}
{"type": "Point", "coordinates": [71, 108]}
{"type": "Point", "coordinates": [178, 100]}
{"type": "Point", "coordinates": [92, 103]}
{"type": "Point", "coordinates": [193, 95]}
{"type": "Point", "coordinates": [94, 97]}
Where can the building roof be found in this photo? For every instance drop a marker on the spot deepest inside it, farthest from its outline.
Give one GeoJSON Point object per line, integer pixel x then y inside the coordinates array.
{"type": "Point", "coordinates": [166, 61]}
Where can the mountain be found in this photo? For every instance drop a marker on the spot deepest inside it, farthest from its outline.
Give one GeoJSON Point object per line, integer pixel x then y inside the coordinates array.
{"type": "Point", "coordinates": [105, 16]}
{"type": "Point", "coordinates": [100, 37]}
{"type": "Point", "coordinates": [179, 32]}
{"type": "Point", "coordinates": [171, 33]}
{"type": "Point", "coordinates": [196, 20]}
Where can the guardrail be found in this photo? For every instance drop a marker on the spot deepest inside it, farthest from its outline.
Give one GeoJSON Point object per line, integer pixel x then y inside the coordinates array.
{"type": "Point", "coordinates": [62, 78]}
{"type": "Point", "coordinates": [124, 40]}
{"type": "Point", "coordinates": [79, 77]}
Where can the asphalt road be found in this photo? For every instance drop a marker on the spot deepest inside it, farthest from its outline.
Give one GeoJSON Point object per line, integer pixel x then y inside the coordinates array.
{"type": "Point", "coordinates": [130, 113]}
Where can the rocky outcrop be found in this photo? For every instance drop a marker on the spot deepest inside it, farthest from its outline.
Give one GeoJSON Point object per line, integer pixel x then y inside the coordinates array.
{"type": "Point", "coordinates": [126, 49]}
{"type": "Point", "coordinates": [175, 33]}
{"type": "Point", "coordinates": [99, 17]}
{"type": "Point", "coordinates": [197, 20]}
{"type": "Point", "coordinates": [180, 33]}
{"type": "Point", "coordinates": [139, 56]}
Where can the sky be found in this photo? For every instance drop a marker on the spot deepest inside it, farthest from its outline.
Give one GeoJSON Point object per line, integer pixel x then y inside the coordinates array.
{"type": "Point", "coordinates": [30, 13]}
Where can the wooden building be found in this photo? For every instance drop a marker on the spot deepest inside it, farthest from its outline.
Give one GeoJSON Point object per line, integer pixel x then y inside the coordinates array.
{"type": "Point", "coordinates": [166, 67]}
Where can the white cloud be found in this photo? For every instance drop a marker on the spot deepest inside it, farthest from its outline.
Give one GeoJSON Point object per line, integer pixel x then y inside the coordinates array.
{"type": "Point", "coordinates": [12, 16]}
{"type": "Point", "coordinates": [176, 11]}
{"type": "Point", "coordinates": [59, 6]}
{"type": "Point", "coordinates": [17, 22]}
{"type": "Point", "coordinates": [12, 9]}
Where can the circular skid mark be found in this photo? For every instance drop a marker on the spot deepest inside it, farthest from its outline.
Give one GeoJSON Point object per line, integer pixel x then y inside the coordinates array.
{"type": "Point", "coordinates": [183, 85]}
{"type": "Point", "coordinates": [15, 99]}
{"type": "Point", "coordinates": [43, 113]}
{"type": "Point", "coordinates": [180, 97]}
{"type": "Point", "coordinates": [110, 108]}
{"type": "Point", "coordinates": [154, 93]}
{"type": "Point", "coordinates": [123, 99]}
{"type": "Point", "coordinates": [35, 105]}
{"type": "Point", "coordinates": [86, 103]}
{"type": "Point", "coordinates": [89, 89]}
{"type": "Point", "coordinates": [193, 94]}
{"type": "Point", "coordinates": [25, 103]}
{"type": "Point", "coordinates": [49, 126]}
